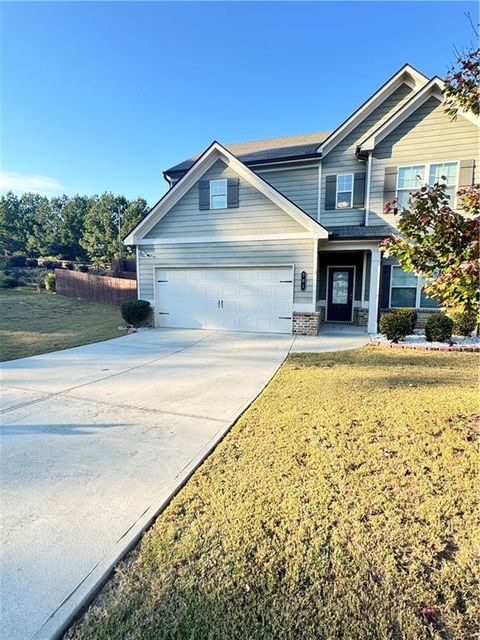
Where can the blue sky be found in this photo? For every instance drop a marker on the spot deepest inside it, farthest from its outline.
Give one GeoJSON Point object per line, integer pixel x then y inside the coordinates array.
{"type": "Point", "coordinates": [105, 96]}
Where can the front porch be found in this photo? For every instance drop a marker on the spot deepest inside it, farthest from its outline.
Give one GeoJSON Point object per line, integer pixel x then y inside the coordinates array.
{"type": "Point", "coordinates": [347, 288]}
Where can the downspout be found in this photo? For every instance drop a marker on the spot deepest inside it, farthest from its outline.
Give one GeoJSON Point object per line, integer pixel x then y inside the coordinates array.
{"type": "Point", "coordinates": [367, 188]}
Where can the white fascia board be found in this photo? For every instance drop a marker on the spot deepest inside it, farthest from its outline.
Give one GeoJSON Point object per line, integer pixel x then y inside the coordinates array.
{"type": "Point", "coordinates": [206, 160]}
{"type": "Point", "coordinates": [407, 74]}
{"type": "Point", "coordinates": [434, 89]}
{"type": "Point", "coordinates": [349, 245]}
{"type": "Point", "coordinates": [239, 238]}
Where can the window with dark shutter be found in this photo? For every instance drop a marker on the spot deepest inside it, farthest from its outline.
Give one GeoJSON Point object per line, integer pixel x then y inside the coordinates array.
{"type": "Point", "coordinates": [233, 188]}
{"type": "Point", "coordinates": [204, 194]}
{"type": "Point", "coordinates": [390, 184]}
{"type": "Point", "coordinates": [466, 175]}
{"type": "Point", "coordinates": [359, 190]}
{"type": "Point", "coordinates": [330, 191]}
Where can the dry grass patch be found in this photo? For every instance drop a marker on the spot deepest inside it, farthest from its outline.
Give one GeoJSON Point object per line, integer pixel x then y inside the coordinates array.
{"type": "Point", "coordinates": [341, 506]}
{"type": "Point", "coordinates": [32, 323]}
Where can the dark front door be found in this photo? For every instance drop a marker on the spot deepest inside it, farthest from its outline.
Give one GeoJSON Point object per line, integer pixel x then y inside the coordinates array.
{"type": "Point", "coordinates": [340, 294]}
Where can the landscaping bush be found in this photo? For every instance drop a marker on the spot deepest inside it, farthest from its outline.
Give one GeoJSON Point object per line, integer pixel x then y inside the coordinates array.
{"type": "Point", "coordinates": [68, 265]}
{"type": "Point", "coordinates": [83, 268]}
{"type": "Point", "coordinates": [136, 312]}
{"type": "Point", "coordinates": [410, 315]}
{"type": "Point", "coordinates": [17, 261]}
{"type": "Point", "coordinates": [439, 328]}
{"type": "Point", "coordinates": [7, 282]}
{"type": "Point", "coordinates": [31, 262]}
{"type": "Point", "coordinates": [47, 263]}
{"type": "Point", "coordinates": [49, 281]}
{"type": "Point", "coordinates": [396, 324]}
{"type": "Point", "coordinates": [463, 323]}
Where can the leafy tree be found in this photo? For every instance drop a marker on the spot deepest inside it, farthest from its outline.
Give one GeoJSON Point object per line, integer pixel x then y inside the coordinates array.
{"type": "Point", "coordinates": [442, 245]}
{"type": "Point", "coordinates": [462, 84]}
{"type": "Point", "coordinates": [438, 243]}
{"type": "Point", "coordinates": [11, 236]}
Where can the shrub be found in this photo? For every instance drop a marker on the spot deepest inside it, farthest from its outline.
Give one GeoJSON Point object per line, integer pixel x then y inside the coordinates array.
{"type": "Point", "coordinates": [439, 328]}
{"type": "Point", "coordinates": [7, 282]}
{"type": "Point", "coordinates": [83, 268]}
{"type": "Point", "coordinates": [463, 323]}
{"type": "Point", "coordinates": [68, 265]}
{"type": "Point", "coordinates": [17, 261]}
{"type": "Point", "coordinates": [395, 325]}
{"type": "Point", "coordinates": [47, 263]}
{"type": "Point", "coordinates": [49, 281]}
{"type": "Point", "coordinates": [135, 312]}
{"type": "Point", "coordinates": [31, 262]}
{"type": "Point", "coordinates": [410, 315]}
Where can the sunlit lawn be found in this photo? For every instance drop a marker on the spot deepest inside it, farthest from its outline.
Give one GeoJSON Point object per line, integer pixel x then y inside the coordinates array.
{"type": "Point", "coordinates": [342, 506]}
{"type": "Point", "coordinates": [32, 323]}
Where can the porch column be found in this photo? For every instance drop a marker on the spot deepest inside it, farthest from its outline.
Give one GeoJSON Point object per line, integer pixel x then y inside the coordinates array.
{"type": "Point", "coordinates": [374, 291]}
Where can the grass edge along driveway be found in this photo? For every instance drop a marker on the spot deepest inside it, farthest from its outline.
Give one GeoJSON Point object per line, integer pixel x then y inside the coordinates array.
{"type": "Point", "coordinates": [341, 505]}
{"type": "Point", "coordinates": [33, 323]}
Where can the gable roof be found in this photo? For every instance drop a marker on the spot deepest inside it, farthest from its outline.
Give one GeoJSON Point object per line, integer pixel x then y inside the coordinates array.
{"type": "Point", "coordinates": [434, 88]}
{"type": "Point", "coordinates": [214, 152]}
{"type": "Point", "coordinates": [405, 75]}
{"type": "Point", "coordinates": [269, 149]}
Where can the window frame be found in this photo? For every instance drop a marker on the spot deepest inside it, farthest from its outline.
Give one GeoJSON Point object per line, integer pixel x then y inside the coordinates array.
{"type": "Point", "coordinates": [213, 195]}
{"type": "Point", "coordinates": [418, 290]}
{"type": "Point", "coordinates": [426, 176]}
{"type": "Point", "coordinates": [342, 175]}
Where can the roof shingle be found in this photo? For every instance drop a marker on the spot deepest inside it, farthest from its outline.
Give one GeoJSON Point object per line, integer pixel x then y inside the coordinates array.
{"type": "Point", "coordinates": [267, 149]}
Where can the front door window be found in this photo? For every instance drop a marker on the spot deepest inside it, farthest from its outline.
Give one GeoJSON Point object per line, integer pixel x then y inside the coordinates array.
{"type": "Point", "coordinates": [340, 287]}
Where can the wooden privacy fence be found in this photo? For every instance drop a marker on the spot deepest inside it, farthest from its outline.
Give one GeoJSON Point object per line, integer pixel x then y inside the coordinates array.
{"type": "Point", "coordinates": [85, 286]}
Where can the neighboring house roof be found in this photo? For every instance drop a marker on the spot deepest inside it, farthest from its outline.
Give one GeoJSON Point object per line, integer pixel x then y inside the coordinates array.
{"type": "Point", "coordinates": [266, 150]}
{"type": "Point", "coordinates": [350, 232]}
{"type": "Point", "coordinates": [435, 89]}
{"type": "Point", "coordinates": [214, 152]}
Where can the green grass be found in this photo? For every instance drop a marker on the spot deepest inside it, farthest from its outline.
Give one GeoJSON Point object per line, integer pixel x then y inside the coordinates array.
{"type": "Point", "coordinates": [32, 323]}
{"type": "Point", "coordinates": [341, 506]}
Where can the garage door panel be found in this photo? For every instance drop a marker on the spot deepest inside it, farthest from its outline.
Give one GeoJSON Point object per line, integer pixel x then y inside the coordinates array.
{"type": "Point", "coordinates": [238, 299]}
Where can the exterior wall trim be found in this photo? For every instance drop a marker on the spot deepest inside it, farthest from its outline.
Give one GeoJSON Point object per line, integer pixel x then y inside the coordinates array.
{"type": "Point", "coordinates": [210, 239]}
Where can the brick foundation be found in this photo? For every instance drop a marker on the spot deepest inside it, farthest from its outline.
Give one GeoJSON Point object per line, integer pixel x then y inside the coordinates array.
{"type": "Point", "coordinates": [305, 323]}
{"type": "Point", "coordinates": [360, 317]}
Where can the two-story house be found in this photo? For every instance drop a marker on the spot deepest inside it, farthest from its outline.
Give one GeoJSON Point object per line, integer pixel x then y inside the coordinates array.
{"type": "Point", "coordinates": [280, 235]}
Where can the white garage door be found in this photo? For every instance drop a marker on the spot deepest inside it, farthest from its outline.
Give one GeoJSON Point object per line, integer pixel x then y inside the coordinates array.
{"type": "Point", "coordinates": [237, 299]}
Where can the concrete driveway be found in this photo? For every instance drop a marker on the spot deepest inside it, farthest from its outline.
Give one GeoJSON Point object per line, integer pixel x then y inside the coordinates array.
{"type": "Point", "coordinates": [94, 440]}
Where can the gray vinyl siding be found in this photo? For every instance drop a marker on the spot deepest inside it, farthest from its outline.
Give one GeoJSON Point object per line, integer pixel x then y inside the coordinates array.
{"type": "Point", "coordinates": [298, 184]}
{"type": "Point", "coordinates": [256, 214]}
{"type": "Point", "coordinates": [427, 136]}
{"type": "Point", "coordinates": [342, 158]}
{"type": "Point", "coordinates": [217, 254]}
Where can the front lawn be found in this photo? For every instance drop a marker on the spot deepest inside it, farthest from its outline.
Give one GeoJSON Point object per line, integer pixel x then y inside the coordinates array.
{"type": "Point", "coordinates": [32, 323]}
{"type": "Point", "coordinates": [342, 505]}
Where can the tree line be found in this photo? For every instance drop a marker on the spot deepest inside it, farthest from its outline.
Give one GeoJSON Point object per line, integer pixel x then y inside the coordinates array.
{"type": "Point", "coordinates": [84, 228]}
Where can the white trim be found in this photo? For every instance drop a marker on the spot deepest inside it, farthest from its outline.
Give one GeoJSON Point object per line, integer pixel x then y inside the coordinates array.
{"type": "Point", "coordinates": [210, 239]}
{"type": "Point", "coordinates": [340, 266]}
{"type": "Point", "coordinates": [337, 245]}
{"type": "Point", "coordinates": [367, 188]}
{"type": "Point", "coordinates": [342, 175]}
{"type": "Point", "coordinates": [207, 159]}
{"type": "Point", "coordinates": [406, 74]}
{"type": "Point", "coordinates": [315, 272]}
{"type": "Point", "coordinates": [435, 89]}
{"type": "Point", "coordinates": [374, 291]}
{"type": "Point", "coordinates": [426, 177]}
{"type": "Point", "coordinates": [212, 195]}
{"type": "Point", "coordinates": [319, 207]}
{"type": "Point", "coordinates": [364, 276]}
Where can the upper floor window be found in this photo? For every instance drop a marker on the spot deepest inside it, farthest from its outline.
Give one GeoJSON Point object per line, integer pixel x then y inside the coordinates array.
{"type": "Point", "coordinates": [218, 194]}
{"type": "Point", "coordinates": [413, 177]}
{"type": "Point", "coordinates": [344, 191]}
{"type": "Point", "coordinates": [409, 179]}
{"type": "Point", "coordinates": [407, 290]}
{"type": "Point", "coordinates": [445, 173]}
